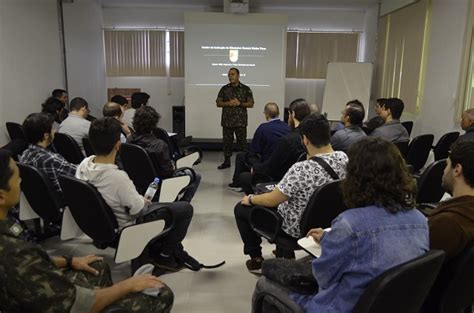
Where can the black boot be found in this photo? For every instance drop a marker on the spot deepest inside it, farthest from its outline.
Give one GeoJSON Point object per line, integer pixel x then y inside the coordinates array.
{"type": "Point", "coordinates": [224, 165]}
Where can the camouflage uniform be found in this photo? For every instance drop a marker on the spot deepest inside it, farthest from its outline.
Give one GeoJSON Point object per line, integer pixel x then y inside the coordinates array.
{"type": "Point", "coordinates": [234, 119]}
{"type": "Point", "coordinates": [30, 282]}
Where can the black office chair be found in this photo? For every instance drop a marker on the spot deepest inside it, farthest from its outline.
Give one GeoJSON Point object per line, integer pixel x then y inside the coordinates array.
{"type": "Point", "coordinates": [402, 288]}
{"type": "Point", "coordinates": [325, 204]}
{"type": "Point", "coordinates": [15, 131]}
{"type": "Point", "coordinates": [418, 151]}
{"type": "Point", "coordinates": [441, 150]}
{"type": "Point", "coordinates": [429, 183]}
{"type": "Point", "coordinates": [42, 197]}
{"type": "Point", "coordinates": [86, 143]}
{"type": "Point", "coordinates": [178, 148]}
{"type": "Point", "coordinates": [408, 126]}
{"type": "Point", "coordinates": [452, 291]}
{"type": "Point", "coordinates": [96, 219]}
{"type": "Point", "coordinates": [138, 165]}
{"type": "Point", "coordinates": [66, 146]}
{"type": "Point", "coordinates": [403, 148]}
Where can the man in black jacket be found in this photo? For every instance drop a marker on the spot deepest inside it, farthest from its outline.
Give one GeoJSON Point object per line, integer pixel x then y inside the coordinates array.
{"type": "Point", "coordinates": [286, 153]}
{"type": "Point", "coordinates": [467, 124]}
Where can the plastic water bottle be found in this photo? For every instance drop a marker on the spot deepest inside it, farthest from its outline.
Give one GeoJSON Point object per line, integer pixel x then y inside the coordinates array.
{"type": "Point", "coordinates": [150, 192]}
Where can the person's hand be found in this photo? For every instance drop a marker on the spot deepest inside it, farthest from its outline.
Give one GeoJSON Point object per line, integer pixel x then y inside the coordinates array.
{"type": "Point", "coordinates": [142, 282]}
{"type": "Point", "coordinates": [245, 201]}
{"type": "Point", "coordinates": [125, 129]}
{"type": "Point", "coordinates": [316, 234]}
{"type": "Point", "coordinates": [82, 263]}
{"type": "Point", "coordinates": [234, 102]}
{"type": "Point", "coordinates": [147, 201]}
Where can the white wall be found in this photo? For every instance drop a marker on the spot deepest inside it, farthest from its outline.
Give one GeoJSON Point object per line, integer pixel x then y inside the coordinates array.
{"type": "Point", "coordinates": [85, 53]}
{"type": "Point", "coordinates": [30, 58]}
{"type": "Point", "coordinates": [359, 20]}
{"type": "Point", "coordinates": [448, 22]}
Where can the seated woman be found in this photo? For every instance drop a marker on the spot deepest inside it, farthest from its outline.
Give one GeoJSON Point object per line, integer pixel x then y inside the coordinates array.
{"type": "Point", "coordinates": [144, 121]}
{"type": "Point", "coordinates": [381, 231]}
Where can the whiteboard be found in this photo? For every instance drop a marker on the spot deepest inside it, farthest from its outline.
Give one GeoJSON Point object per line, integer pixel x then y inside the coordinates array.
{"type": "Point", "coordinates": [345, 82]}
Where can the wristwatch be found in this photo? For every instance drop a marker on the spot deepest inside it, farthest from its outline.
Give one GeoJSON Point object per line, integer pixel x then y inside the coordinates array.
{"type": "Point", "coordinates": [250, 198]}
{"type": "Point", "coordinates": [68, 259]}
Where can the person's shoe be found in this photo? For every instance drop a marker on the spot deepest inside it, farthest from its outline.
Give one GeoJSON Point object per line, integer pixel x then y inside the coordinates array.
{"type": "Point", "coordinates": [254, 265]}
{"type": "Point", "coordinates": [235, 187]}
{"type": "Point", "coordinates": [290, 255]}
{"type": "Point", "coordinates": [168, 262]}
{"type": "Point", "coordinates": [184, 258]}
{"type": "Point", "coordinates": [225, 164]}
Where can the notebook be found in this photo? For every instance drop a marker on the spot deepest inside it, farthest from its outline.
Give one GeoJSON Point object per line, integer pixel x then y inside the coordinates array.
{"type": "Point", "coordinates": [309, 245]}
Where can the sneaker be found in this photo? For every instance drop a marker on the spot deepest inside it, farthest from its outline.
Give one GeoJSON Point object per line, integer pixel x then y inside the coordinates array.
{"type": "Point", "coordinates": [168, 262]}
{"type": "Point", "coordinates": [188, 261]}
{"type": "Point", "coordinates": [254, 265]}
{"type": "Point", "coordinates": [225, 164]}
{"type": "Point", "coordinates": [235, 187]}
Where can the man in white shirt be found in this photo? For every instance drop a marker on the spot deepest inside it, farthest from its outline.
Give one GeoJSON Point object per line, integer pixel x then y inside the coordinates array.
{"type": "Point", "coordinates": [139, 99]}
{"type": "Point", "coordinates": [128, 206]}
{"type": "Point", "coordinates": [76, 125]}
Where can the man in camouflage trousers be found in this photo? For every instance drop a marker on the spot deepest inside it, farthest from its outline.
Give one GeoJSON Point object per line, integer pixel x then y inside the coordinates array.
{"type": "Point", "coordinates": [234, 99]}
{"type": "Point", "coordinates": [31, 281]}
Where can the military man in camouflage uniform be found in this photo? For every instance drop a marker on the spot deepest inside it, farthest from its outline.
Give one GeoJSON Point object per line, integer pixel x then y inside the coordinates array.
{"type": "Point", "coordinates": [31, 281]}
{"type": "Point", "coordinates": [234, 99]}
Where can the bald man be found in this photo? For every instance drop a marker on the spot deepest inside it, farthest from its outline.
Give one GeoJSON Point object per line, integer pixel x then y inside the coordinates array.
{"type": "Point", "coordinates": [112, 109]}
{"type": "Point", "coordinates": [263, 143]}
{"type": "Point", "coordinates": [467, 124]}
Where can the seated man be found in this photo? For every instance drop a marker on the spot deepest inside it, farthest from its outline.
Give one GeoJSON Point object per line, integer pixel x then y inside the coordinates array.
{"type": "Point", "coordinates": [127, 205]}
{"type": "Point", "coordinates": [467, 124]}
{"type": "Point", "coordinates": [285, 154]}
{"type": "Point", "coordinates": [145, 121]}
{"type": "Point", "coordinates": [76, 125]}
{"type": "Point", "coordinates": [452, 222]}
{"type": "Point", "coordinates": [377, 120]}
{"type": "Point", "coordinates": [392, 130]}
{"type": "Point", "coordinates": [139, 99]}
{"type": "Point", "coordinates": [263, 143]}
{"type": "Point", "coordinates": [39, 131]}
{"type": "Point", "coordinates": [293, 192]}
{"type": "Point", "coordinates": [121, 100]}
{"type": "Point", "coordinates": [62, 97]}
{"type": "Point", "coordinates": [32, 281]}
{"type": "Point", "coordinates": [352, 118]}
{"type": "Point", "coordinates": [53, 106]}
{"type": "Point", "coordinates": [112, 109]}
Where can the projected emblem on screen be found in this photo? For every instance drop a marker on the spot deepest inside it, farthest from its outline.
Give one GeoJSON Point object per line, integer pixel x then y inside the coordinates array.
{"type": "Point", "coordinates": [233, 55]}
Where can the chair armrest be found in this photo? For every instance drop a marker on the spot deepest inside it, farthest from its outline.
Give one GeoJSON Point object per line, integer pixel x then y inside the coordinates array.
{"type": "Point", "coordinates": [176, 173]}
{"type": "Point", "coordinates": [188, 160]}
{"type": "Point", "coordinates": [266, 222]}
{"type": "Point", "coordinates": [171, 187]}
{"type": "Point", "coordinates": [134, 239]}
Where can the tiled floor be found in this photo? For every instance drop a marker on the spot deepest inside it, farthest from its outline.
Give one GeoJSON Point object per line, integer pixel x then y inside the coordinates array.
{"type": "Point", "coordinates": [212, 237]}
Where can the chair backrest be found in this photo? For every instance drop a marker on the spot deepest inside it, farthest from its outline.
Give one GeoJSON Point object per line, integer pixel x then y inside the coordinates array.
{"type": "Point", "coordinates": [15, 131]}
{"type": "Point", "coordinates": [66, 146]}
{"type": "Point", "coordinates": [429, 183]}
{"type": "Point", "coordinates": [419, 150]}
{"type": "Point", "coordinates": [86, 143]}
{"type": "Point", "coordinates": [403, 148]}
{"type": "Point", "coordinates": [138, 165]}
{"type": "Point", "coordinates": [402, 288]}
{"type": "Point", "coordinates": [93, 216]}
{"type": "Point", "coordinates": [441, 150]}
{"type": "Point", "coordinates": [408, 126]}
{"type": "Point", "coordinates": [163, 135]}
{"type": "Point", "coordinates": [40, 193]}
{"type": "Point", "coordinates": [325, 204]}
{"type": "Point", "coordinates": [457, 293]}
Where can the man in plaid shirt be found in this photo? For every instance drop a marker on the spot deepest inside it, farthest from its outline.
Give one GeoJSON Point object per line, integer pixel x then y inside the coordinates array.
{"type": "Point", "coordinates": [38, 128]}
